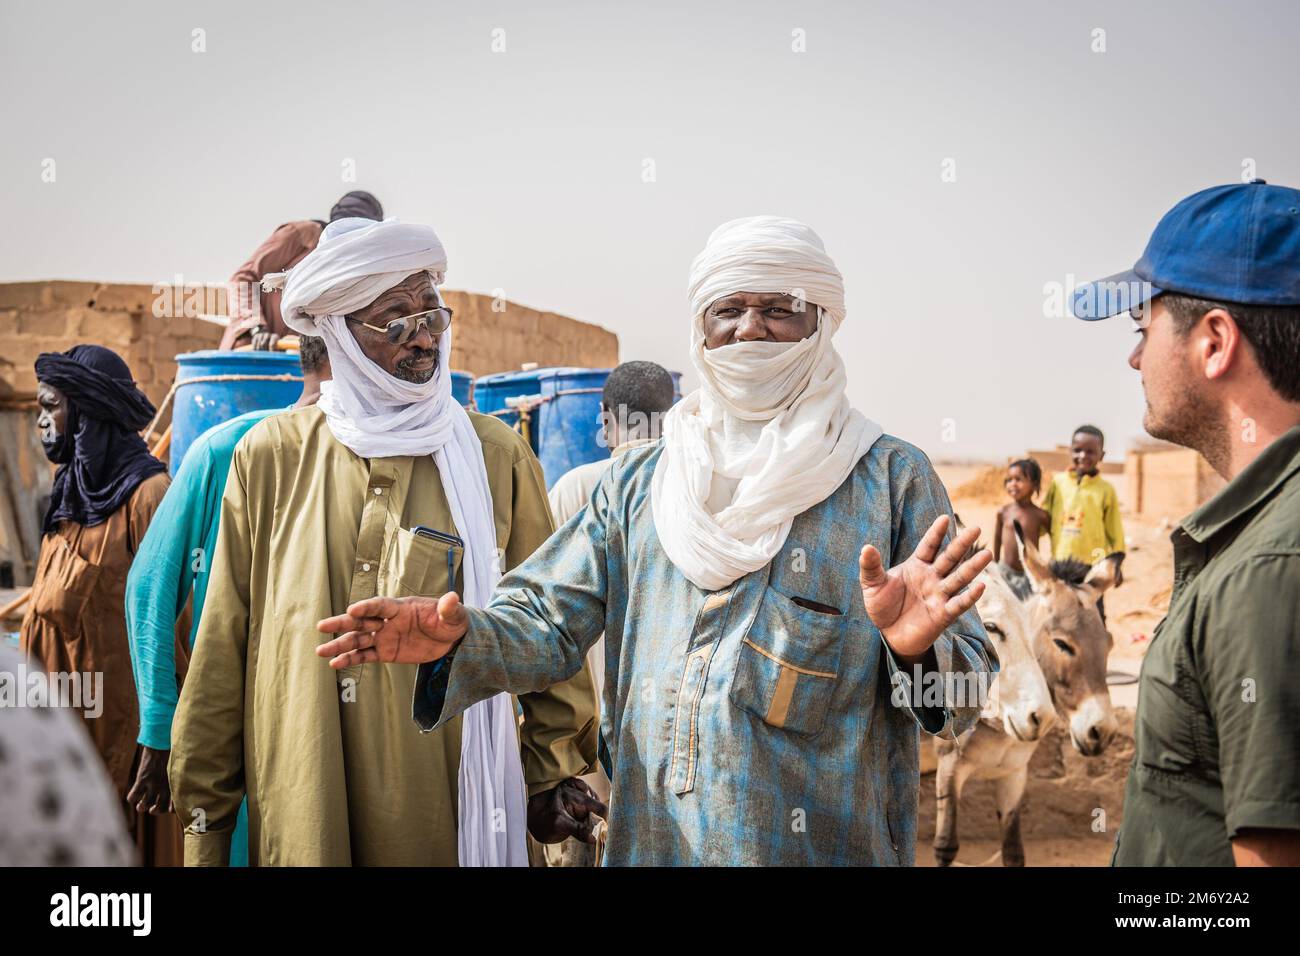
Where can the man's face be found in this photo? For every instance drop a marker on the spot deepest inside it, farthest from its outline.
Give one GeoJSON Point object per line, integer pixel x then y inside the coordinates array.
{"type": "Point", "coordinates": [1177, 408]}
{"type": "Point", "coordinates": [52, 419]}
{"type": "Point", "coordinates": [1085, 452]}
{"type": "Point", "coordinates": [415, 360]}
{"type": "Point", "coordinates": [758, 317]}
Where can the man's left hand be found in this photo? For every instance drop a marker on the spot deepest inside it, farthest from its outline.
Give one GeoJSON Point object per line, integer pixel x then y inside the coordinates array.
{"type": "Point", "coordinates": [569, 810]}
{"type": "Point", "coordinates": [914, 602]}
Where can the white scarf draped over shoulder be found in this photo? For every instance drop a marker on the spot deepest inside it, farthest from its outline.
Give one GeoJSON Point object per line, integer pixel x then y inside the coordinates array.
{"type": "Point", "coordinates": [770, 432]}
{"type": "Point", "coordinates": [377, 415]}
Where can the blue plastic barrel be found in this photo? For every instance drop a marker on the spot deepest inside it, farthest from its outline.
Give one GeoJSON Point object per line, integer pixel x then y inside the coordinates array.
{"type": "Point", "coordinates": [267, 380]}
{"type": "Point", "coordinates": [564, 425]}
{"type": "Point", "coordinates": [462, 387]}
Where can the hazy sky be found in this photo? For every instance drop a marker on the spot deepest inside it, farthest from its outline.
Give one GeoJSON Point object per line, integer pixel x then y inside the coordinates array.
{"type": "Point", "coordinates": [532, 162]}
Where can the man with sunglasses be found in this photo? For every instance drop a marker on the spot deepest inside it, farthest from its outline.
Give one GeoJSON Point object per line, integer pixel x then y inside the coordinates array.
{"type": "Point", "coordinates": [1216, 300]}
{"type": "Point", "coordinates": [386, 487]}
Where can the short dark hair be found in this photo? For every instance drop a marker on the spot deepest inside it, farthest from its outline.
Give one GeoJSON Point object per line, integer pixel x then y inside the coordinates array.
{"type": "Point", "coordinates": [311, 353]}
{"type": "Point", "coordinates": [1031, 470]}
{"type": "Point", "coordinates": [1273, 332]}
{"type": "Point", "coordinates": [357, 203]}
{"type": "Point", "coordinates": [639, 387]}
{"type": "Point", "coordinates": [1090, 430]}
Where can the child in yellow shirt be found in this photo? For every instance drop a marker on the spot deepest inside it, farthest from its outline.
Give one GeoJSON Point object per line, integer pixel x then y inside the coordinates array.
{"type": "Point", "coordinates": [1084, 508]}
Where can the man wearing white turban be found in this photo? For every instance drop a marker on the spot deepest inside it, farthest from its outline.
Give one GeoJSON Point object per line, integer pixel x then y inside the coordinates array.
{"type": "Point", "coordinates": [765, 673]}
{"type": "Point", "coordinates": [386, 487]}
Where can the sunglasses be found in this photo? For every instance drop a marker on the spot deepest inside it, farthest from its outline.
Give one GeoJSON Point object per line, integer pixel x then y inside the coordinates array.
{"type": "Point", "coordinates": [402, 330]}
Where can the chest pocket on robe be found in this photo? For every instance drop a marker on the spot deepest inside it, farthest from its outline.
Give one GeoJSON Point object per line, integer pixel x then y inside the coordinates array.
{"type": "Point", "coordinates": [68, 583]}
{"type": "Point", "coordinates": [416, 566]}
{"type": "Point", "coordinates": [788, 665]}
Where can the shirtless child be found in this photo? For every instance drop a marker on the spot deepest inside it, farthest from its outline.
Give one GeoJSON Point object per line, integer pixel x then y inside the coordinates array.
{"type": "Point", "coordinates": [1023, 481]}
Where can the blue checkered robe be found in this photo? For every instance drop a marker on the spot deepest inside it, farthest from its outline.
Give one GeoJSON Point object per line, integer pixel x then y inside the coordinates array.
{"type": "Point", "coordinates": [745, 727]}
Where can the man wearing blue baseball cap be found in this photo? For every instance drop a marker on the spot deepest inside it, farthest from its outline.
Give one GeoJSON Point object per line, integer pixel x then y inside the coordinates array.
{"type": "Point", "coordinates": [1216, 297]}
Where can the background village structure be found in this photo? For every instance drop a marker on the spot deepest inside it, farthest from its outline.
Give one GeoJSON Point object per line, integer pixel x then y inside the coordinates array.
{"type": "Point", "coordinates": [1157, 485]}
{"type": "Point", "coordinates": [490, 335]}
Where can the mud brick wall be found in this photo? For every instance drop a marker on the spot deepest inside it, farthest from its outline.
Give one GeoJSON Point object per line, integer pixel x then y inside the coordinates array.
{"type": "Point", "coordinates": [38, 317]}
{"type": "Point", "coordinates": [1169, 482]}
{"type": "Point", "coordinates": [484, 341]}
{"type": "Point", "coordinates": [489, 335]}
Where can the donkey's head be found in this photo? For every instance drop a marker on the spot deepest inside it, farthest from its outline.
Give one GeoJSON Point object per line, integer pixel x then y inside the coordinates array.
{"type": "Point", "coordinates": [1071, 642]}
{"type": "Point", "coordinates": [1021, 696]}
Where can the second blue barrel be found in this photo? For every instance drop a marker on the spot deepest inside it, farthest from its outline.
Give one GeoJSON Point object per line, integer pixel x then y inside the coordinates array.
{"type": "Point", "coordinates": [214, 386]}
{"type": "Point", "coordinates": [563, 424]}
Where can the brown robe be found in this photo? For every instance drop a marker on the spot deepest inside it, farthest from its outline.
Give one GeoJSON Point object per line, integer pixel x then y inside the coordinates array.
{"type": "Point", "coordinates": [76, 623]}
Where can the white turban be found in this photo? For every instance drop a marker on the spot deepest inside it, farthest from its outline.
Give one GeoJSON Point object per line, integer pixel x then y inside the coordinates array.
{"type": "Point", "coordinates": [377, 415]}
{"type": "Point", "coordinates": [766, 254]}
{"type": "Point", "coordinates": [770, 432]}
{"type": "Point", "coordinates": [355, 262]}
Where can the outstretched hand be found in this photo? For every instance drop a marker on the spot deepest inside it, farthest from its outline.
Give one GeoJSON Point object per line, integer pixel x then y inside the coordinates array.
{"type": "Point", "coordinates": [409, 630]}
{"type": "Point", "coordinates": [914, 602]}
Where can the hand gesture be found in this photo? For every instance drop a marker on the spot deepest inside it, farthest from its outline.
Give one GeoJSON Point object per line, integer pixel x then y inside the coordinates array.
{"type": "Point", "coordinates": [914, 602]}
{"type": "Point", "coordinates": [409, 630]}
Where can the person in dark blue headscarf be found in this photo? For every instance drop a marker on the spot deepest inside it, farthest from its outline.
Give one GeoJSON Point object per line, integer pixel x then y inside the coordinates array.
{"type": "Point", "coordinates": [106, 491]}
{"type": "Point", "coordinates": [91, 416]}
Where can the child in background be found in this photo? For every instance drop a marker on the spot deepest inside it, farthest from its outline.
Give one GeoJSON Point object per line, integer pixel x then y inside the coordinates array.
{"type": "Point", "coordinates": [1084, 506]}
{"type": "Point", "coordinates": [1023, 481]}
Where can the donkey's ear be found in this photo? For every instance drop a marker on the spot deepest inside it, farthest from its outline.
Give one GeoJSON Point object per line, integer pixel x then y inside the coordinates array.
{"type": "Point", "coordinates": [1104, 575]}
{"type": "Point", "coordinates": [1039, 572]}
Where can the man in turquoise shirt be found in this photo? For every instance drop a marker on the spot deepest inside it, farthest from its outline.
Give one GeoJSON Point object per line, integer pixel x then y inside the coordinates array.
{"type": "Point", "coordinates": [173, 561]}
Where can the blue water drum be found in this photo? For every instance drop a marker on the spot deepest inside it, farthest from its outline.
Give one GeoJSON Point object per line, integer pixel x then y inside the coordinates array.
{"type": "Point", "coordinates": [244, 382]}
{"type": "Point", "coordinates": [564, 425]}
{"type": "Point", "coordinates": [462, 387]}
{"type": "Point", "coordinates": [563, 418]}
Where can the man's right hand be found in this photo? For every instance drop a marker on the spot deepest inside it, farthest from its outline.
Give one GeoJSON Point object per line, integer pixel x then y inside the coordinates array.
{"type": "Point", "coordinates": [410, 630]}
{"type": "Point", "coordinates": [264, 340]}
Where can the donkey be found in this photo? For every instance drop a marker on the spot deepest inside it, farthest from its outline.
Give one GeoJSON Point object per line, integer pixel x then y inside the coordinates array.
{"type": "Point", "coordinates": [1070, 644]}
{"type": "Point", "coordinates": [1000, 745]}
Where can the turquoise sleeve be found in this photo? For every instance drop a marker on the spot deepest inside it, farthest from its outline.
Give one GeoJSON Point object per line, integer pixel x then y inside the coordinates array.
{"type": "Point", "coordinates": [158, 588]}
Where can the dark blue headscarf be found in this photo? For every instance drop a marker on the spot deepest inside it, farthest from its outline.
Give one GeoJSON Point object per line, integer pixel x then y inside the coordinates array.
{"type": "Point", "coordinates": [101, 457]}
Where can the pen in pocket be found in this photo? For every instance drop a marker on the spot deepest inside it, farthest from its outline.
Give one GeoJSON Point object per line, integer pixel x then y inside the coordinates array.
{"type": "Point", "coordinates": [452, 542]}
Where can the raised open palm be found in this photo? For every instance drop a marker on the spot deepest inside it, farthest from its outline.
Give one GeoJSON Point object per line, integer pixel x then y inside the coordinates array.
{"type": "Point", "coordinates": [913, 602]}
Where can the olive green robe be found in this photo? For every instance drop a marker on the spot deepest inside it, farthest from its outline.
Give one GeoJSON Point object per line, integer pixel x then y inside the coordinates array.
{"type": "Point", "coordinates": [335, 771]}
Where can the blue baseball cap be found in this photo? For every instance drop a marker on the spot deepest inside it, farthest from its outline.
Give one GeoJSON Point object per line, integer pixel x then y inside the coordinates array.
{"type": "Point", "coordinates": [1237, 243]}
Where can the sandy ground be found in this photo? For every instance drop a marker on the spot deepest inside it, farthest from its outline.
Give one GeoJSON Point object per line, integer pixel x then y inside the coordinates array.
{"type": "Point", "coordinates": [1060, 852]}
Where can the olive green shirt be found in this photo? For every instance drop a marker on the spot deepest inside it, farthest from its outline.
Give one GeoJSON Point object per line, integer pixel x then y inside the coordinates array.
{"type": "Point", "coordinates": [1218, 716]}
{"type": "Point", "coordinates": [335, 771]}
